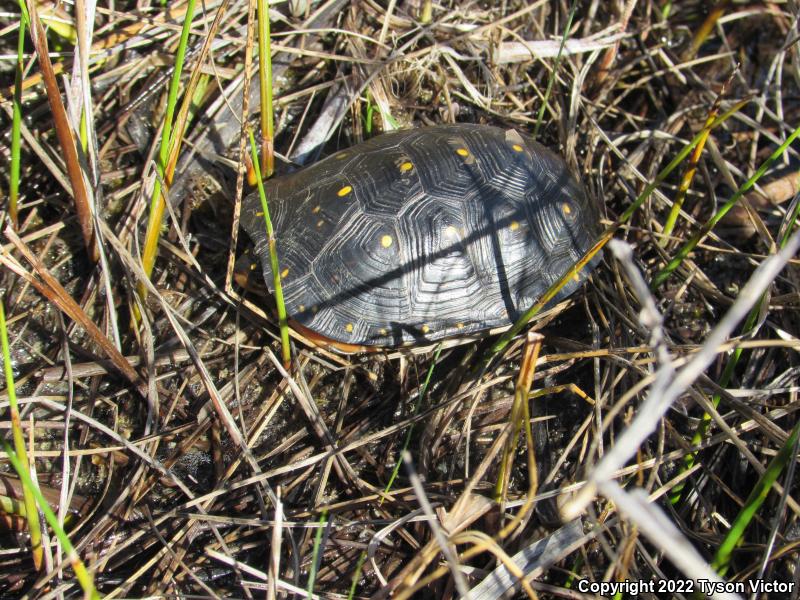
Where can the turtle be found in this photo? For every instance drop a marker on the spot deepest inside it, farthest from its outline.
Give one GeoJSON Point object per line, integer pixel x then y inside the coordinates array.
{"type": "Point", "coordinates": [422, 234]}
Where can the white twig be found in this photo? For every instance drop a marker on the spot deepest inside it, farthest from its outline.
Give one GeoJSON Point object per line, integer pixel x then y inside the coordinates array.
{"type": "Point", "coordinates": [654, 523]}
{"type": "Point", "coordinates": [511, 52]}
{"type": "Point", "coordinates": [668, 388]}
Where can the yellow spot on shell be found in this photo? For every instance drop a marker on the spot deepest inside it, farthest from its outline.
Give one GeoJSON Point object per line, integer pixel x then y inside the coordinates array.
{"type": "Point", "coordinates": [344, 191]}
{"type": "Point", "coordinates": [341, 155]}
{"type": "Point", "coordinates": [316, 209]}
{"type": "Point", "coordinates": [425, 329]}
{"type": "Point", "coordinates": [577, 277]}
{"type": "Point", "coordinates": [406, 166]}
{"type": "Point", "coordinates": [253, 267]}
{"type": "Point", "coordinates": [462, 152]}
{"type": "Point", "coordinates": [285, 272]}
{"type": "Point", "coordinates": [386, 241]}
{"type": "Point", "coordinates": [301, 308]}
{"type": "Point", "coordinates": [514, 225]}
{"type": "Point", "coordinates": [320, 223]}
{"type": "Point", "coordinates": [566, 208]}
{"type": "Point", "coordinates": [517, 148]}
{"type": "Point", "coordinates": [459, 326]}
{"type": "Point", "coordinates": [383, 331]}
{"type": "Point", "coordinates": [349, 328]}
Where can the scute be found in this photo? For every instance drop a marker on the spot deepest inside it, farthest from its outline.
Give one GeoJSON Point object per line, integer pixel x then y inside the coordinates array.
{"type": "Point", "coordinates": [423, 234]}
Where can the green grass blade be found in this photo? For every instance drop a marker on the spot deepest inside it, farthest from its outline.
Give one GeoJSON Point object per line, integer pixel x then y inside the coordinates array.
{"type": "Point", "coordinates": [370, 114]}
{"type": "Point", "coordinates": [754, 501]}
{"type": "Point", "coordinates": [665, 273]}
{"type": "Point", "coordinates": [31, 515]}
{"type": "Point", "coordinates": [85, 579]}
{"type": "Point", "coordinates": [312, 572]}
{"type": "Point", "coordinates": [12, 506]}
{"type": "Point", "coordinates": [688, 177]}
{"type": "Point", "coordinates": [265, 79]}
{"type": "Point", "coordinates": [552, 79]}
{"type": "Point", "coordinates": [157, 200]}
{"type": "Point", "coordinates": [791, 224]}
{"type": "Point", "coordinates": [283, 322]}
{"type": "Point", "coordinates": [362, 558]}
{"type": "Point", "coordinates": [426, 12]}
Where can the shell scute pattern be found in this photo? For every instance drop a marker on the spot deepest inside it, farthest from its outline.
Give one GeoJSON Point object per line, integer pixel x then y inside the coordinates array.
{"type": "Point", "coordinates": [440, 271]}
{"type": "Point", "coordinates": [443, 172]}
{"type": "Point", "coordinates": [382, 181]}
{"type": "Point", "coordinates": [443, 231]}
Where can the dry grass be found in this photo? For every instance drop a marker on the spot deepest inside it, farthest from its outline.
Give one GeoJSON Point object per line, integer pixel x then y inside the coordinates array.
{"type": "Point", "coordinates": [188, 463]}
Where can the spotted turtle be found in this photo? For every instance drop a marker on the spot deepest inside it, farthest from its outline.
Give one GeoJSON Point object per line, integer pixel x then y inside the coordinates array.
{"type": "Point", "coordinates": [422, 234]}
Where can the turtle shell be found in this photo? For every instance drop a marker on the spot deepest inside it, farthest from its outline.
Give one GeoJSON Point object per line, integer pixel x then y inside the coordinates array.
{"type": "Point", "coordinates": [418, 235]}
